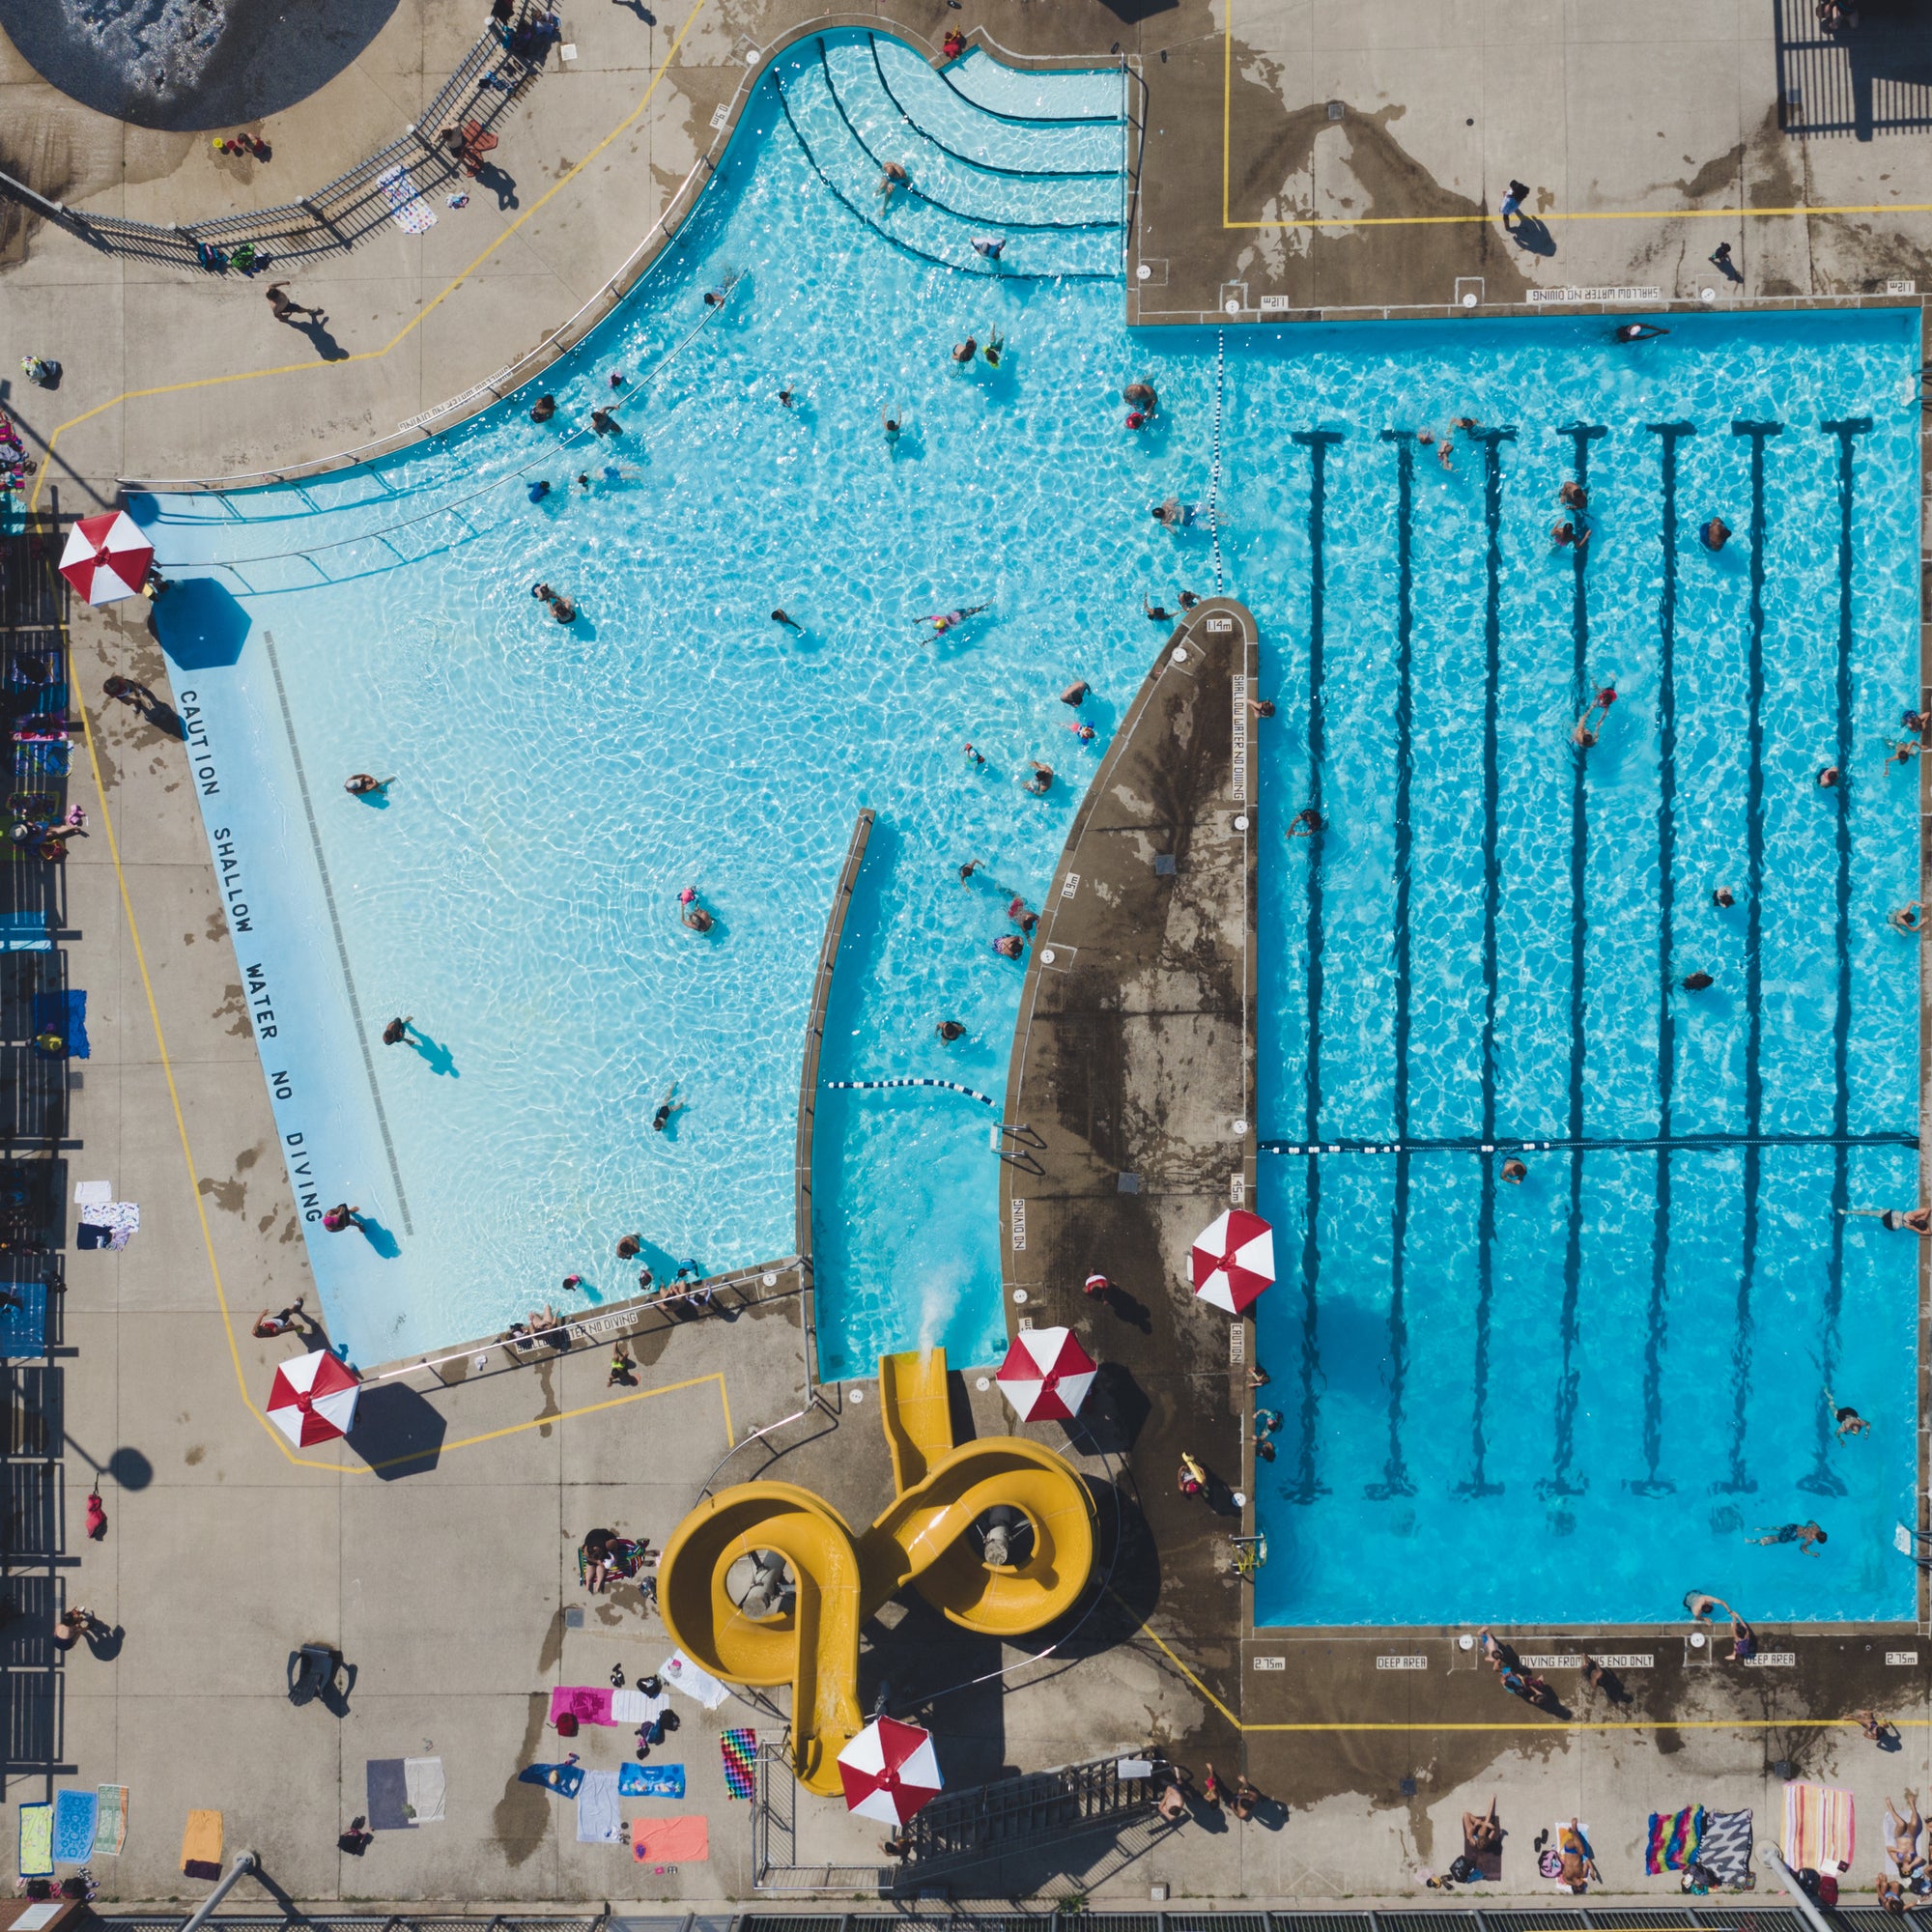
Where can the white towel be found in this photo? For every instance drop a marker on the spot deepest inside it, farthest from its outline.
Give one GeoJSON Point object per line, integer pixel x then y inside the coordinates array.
{"type": "Point", "coordinates": [597, 1819]}
{"type": "Point", "coordinates": [92, 1193]}
{"type": "Point", "coordinates": [633, 1707]}
{"type": "Point", "coordinates": [423, 1785]}
{"type": "Point", "coordinates": [681, 1674]}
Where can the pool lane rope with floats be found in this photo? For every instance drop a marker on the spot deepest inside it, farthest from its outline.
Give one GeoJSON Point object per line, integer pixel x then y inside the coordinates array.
{"type": "Point", "coordinates": [951, 1086]}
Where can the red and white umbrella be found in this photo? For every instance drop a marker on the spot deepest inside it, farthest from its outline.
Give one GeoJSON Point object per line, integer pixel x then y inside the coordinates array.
{"type": "Point", "coordinates": [314, 1399]}
{"type": "Point", "coordinates": [1233, 1260]}
{"type": "Point", "coordinates": [106, 557]}
{"type": "Point", "coordinates": [890, 1771]}
{"type": "Point", "coordinates": [1047, 1375]}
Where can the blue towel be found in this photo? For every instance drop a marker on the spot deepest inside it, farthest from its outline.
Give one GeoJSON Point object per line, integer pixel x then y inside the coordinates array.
{"type": "Point", "coordinates": [64, 1014]}
{"type": "Point", "coordinates": [75, 1813]}
{"type": "Point", "coordinates": [566, 1780]}
{"type": "Point", "coordinates": [651, 1781]}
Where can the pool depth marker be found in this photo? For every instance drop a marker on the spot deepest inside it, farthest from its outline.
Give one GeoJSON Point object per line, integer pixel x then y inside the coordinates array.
{"type": "Point", "coordinates": [1739, 1480]}
{"type": "Point", "coordinates": [1395, 1480]}
{"type": "Point", "coordinates": [1561, 1482]}
{"type": "Point", "coordinates": [1307, 1486]}
{"type": "Point", "coordinates": [1492, 441]}
{"type": "Point", "coordinates": [1822, 1479]}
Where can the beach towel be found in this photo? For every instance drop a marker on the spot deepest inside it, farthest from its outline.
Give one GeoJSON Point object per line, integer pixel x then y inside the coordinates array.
{"type": "Point", "coordinates": [388, 1795]}
{"type": "Point", "coordinates": [1819, 1828]}
{"type": "Point", "coordinates": [1672, 1840]}
{"type": "Point", "coordinates": [412, 213]}
{"type": "Point", "coordinates": [75, 1815]}
{"type": "Point", "coordinates": [1727, 1848]}
{"type": "Point", "coordinates": [66, 1014]}
{"type": "Point", "coordinates": [201, 1845]}
{"type": "Point", "coordinates": [37, 1840]}
{"type": "Point", "coordinates": [587, 1703]}
{"type": "Point", "coordinates": [562, 1778]}
{"type": "Point", "coordinates": [92, 1193]}
{"type": "Point", "coordinates": [681, 1674]}
{"type": "Point", "coordinates": [671, 1840]}
{"type": "Point", "coordinates": [651, 1781]}
{"type": "Point", "coordinates": [633, 1707]}
{"type": "Point", "coordinates": [739, 1749]}
{"type": "Point", "coordinates": [423, 1782]}
{"type": "Point", "coordinates": [108, 1227]}
{"type": "Point", "coordinates": [597, 1819]}
{"type": "Point", "coordinates": [111, 1832]}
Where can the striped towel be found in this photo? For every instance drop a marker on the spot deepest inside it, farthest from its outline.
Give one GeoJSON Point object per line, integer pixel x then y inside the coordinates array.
{"type": "Point", "coordinates": [739, 1749]}
{"type": "Point", "coordinates": [1819, 1828]}
{"type": "Point", "coordinates": [1673, 1839]}
{"type": "Point", "coordinates": [1727, 1849]}
{"type": "Point", "coordinates": [111, 1833]}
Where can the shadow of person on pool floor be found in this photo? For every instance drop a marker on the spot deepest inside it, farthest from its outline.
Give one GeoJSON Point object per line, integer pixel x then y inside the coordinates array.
{"type": "Point", "coordinates": [379, 1238]}
{"type": "Point", "coordinates": [439, 1058]}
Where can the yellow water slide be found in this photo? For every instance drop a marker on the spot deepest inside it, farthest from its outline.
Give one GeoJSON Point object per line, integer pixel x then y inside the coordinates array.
{"type": "Point", "coordinates": [921, 1538]}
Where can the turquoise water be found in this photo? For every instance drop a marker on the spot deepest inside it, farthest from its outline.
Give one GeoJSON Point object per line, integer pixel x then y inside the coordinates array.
{"type": "Point", "coordinates": [556, 786]}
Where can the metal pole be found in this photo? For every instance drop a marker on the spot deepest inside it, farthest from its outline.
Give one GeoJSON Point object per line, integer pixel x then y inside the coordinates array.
{"type": "Point", "coordinates": [247, 1863]}
{"type": "Point", "coordinates": [1800, 1897]}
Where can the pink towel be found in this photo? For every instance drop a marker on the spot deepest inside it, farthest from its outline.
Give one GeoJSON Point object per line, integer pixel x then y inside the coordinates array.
{"type": "Point", "coordinates": [587, 1703]}
{"type": "Point", "coordinates": [671, 1840]}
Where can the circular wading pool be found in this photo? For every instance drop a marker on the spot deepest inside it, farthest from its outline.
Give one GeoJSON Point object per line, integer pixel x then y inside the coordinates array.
{"type": "Point", "coordinates": [191, 65]}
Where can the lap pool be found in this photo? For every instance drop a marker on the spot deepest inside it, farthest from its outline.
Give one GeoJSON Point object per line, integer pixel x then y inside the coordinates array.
{"type": "Point", "coordinates": [1497, 1401]}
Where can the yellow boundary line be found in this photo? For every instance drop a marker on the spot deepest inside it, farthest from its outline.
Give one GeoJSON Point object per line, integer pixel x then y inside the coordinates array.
{"type": "Point", "coordinates": [1545, 1726]}
{"type": "Point", "coordinates": [415, 321]}
{"type": "Point", "coordinates": [276, 1436]}
{"type": "Point", "coordinates": [1483, 220]}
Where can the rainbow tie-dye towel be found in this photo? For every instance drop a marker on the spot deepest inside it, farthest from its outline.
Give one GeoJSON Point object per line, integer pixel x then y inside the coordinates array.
{"type": "Point", "coordinates": [739, 1749]}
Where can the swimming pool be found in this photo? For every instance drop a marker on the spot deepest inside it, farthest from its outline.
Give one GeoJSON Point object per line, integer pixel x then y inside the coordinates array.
{"type": "Point", "coordinates": [557, 786]}
{"type": "Point", "coordinates": [1504, 1400]}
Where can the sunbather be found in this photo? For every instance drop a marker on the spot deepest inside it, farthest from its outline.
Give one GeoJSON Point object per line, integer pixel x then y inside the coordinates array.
{"type": "Point", "coordinates": [1902, 1836]}
{"type": "Point", "coordinates": [1579, 1866]}
{"type": "Point", "coordinates": [1482, 1831]}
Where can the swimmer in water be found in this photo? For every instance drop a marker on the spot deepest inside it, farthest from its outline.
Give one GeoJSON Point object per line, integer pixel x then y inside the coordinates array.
{"type": "Point", "coordinates": [1262, 707]}
{"type": "Point", "coordinates": [1697, 983]}
{"type": "Point", "coordinates": [995, 347]}
{"type": "Point", "coordinates": [1075, 693]}
{"type": "Point", "coordinates": [1009, 945]}
{"type": "Point", "coordinates": [973, 754]}
{"type": "Point", "coordinates": [1022, 914]}
{"type": "Point", "coordinates": [670, 1104]}
{"type": "Point", "coordinates": [1082, 730]}
{"type": "Point", "coordinates": [1714, 534]}
{"type": "Point", "coordinates": [1905, 917]}
{"type": "Point", "coordinates": [1573, 497]}
{"type": "Point", "coordinates": [1188, 600]}
{"type": "Point", "coordinates": [949, 1030]}
{"type": "Point", "coordinates": [604, 423]}
{"type": "Point", "coordinates": [1159, 614]}
{"type": "Point", "coordinates": [1589, 726]}
{"type": "Point", "coordinates": [1306, 823]}
{"type": "Point", "coordinates": [952, 618]}
{"type": "Point", "coordinates": [891, 425]}
{"type": "Point", "coordinates": [1566, 533]}
{"type": "Point", "coordinates": [1723, 896]}
{"type": "Point", "coordinates": [362, 784]}
{"type": "Point", "coordinates": [893, 177]}
{"type": "Point", "coordinates": [964, 351]}
{"type": "Point", "coordinates": [714, 297]}
{"type": "Point", "coordinates": [1041, 782]}
{"type": "Point", "coordinates": [1141, 396]}
{"type": "Point", "coordinates": [1828, 776]}
{"type": "Point", "coordinates": [694, 915]}
{"type": "Point", "coordinates": [780, 617]}
{"type": "Point", "coordinates": [543, 408]}
{"type": "Point", "coordinates": [1902, 749]}
{"type": "Point", "coordinates": [992, 248]}
{"type": "Point", "coordinates": [1637, 331]}
{"type": "Point", "coordinates": [1850, 1422]}
{"type": "Point", "coordinates": [786, 399]}
{"type": "Point", "coordinates": [971, 866]}
{"type": "Point", "coordinates": [1515, 1171]}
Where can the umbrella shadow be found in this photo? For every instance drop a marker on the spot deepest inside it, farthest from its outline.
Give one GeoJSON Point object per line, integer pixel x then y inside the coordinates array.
{"type": "Point", "coordinates": [398, 1432]}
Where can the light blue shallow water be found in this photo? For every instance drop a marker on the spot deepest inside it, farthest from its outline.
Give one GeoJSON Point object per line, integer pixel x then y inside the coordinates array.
{"type": "Point", "coordinates": [557, 786]}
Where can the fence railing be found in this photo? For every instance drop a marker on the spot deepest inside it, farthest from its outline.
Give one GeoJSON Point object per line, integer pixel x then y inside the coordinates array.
{"type": "Point", "coordinates": [487, 80]}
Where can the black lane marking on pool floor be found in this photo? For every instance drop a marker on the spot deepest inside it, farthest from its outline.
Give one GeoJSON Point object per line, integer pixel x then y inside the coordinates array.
{"type": "Point", "coordinates": [1396, 1480]}
{"type": "Point", "coordinates": [1721, 1143]}
{"type": "Point", "coordinates": [1657, 1332]}
{"type": "Point", "coordinates": [335, 926]}
{"type": "Point", "coordinates": [1561, 1480]}
{"type": "Point", "coordinates": [1822, 1479]}
{"type": "Point", "coordinates": [1739, 1480]}
{"type": "Point", "coordinates": [1307, 1484]}
{"type": "Point", "coordinates": [1492, 441]}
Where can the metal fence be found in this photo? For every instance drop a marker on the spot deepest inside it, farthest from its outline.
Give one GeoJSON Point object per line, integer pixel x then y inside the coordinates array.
{"type": "Point", "coordinates": [486, 82]}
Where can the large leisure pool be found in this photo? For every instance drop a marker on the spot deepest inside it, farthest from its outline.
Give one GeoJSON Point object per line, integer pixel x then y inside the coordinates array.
{"type": "Point", "coordinates": [1499, 1401]}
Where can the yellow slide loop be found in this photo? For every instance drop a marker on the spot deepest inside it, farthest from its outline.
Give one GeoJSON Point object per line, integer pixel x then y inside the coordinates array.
{"type": "Point", "coordinates": [841, 1580]}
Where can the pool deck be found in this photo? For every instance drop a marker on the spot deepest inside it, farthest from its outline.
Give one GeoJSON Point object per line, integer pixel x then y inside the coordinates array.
{"type": "Point", "coordinates": [446, 1576]}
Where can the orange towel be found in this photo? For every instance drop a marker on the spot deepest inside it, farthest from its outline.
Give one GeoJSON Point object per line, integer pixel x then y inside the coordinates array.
{"type": "Point", "coordinates": [670, 1842]}
{"type": "Point", "coordinates": [201, 1845]}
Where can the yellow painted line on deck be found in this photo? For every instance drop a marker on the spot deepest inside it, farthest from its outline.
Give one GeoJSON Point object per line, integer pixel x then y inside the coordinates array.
{"type": "Point", "coordinates": [276, 1436]}
{"type": "Point", "coordinates": [409, 328]}
{"type": "Point", "coordinates": [1483, 219]}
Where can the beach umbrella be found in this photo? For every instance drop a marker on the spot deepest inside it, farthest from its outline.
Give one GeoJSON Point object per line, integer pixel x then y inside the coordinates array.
{"type": "Point", "coordinates": [106, 557]}
{"type": "Point", "coordinates": [313, 1399]}
{"type": "Point", "coordinates": [888, 1771]}
{"type": "Point", "coordinates": [1047, 1375]}
{"type": "Point", "coordinates": [1233, 1260]}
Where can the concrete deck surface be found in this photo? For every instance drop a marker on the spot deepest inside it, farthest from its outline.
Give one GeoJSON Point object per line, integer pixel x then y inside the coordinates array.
{"type": "Point", "coordinates": [450, 1585]}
